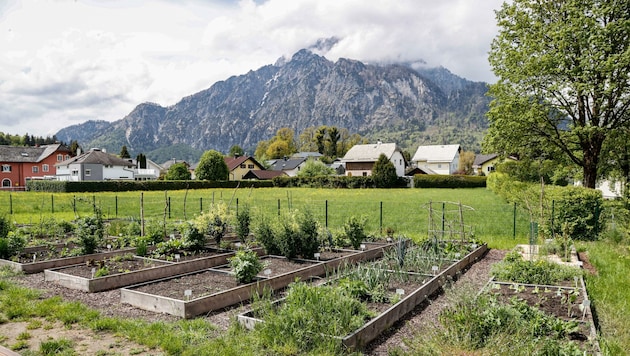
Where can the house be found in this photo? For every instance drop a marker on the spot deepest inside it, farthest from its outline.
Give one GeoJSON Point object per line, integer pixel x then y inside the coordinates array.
{"type": "Point", "coordinates": [315, 155]}
{"type": "Point", "coordinates": [20, 164]}
{"type": "Point", "coordinates": [257, 174]}
{"type": "Point", "coordinates": [290, 166]}
{"type": "Point", "coordinates": [149, 170]}
{"type": "Point", "coordinates": [239, 166]}
{"type": "Point", "coordinates": [95, 165]}
{"type": "Point", "coordinates": [441, 159]}
{"type": "Point", "coordinates": [360, 159]}
{"type": "Point", "coordinates": [486, 164]}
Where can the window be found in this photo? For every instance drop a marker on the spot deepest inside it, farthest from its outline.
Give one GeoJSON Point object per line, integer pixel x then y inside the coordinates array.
{"type": "Point", "coordinates": [67, 157]}
{"type": "Point", "coordinates": [439, 166]}
{"type": "Point", "coordinates": [44, 168]}
{"type": "Point", "coordinates": [250, 166]}
{"type": "Point", "coordinates": [6, 183]}
{"type": "Point", "coordinates": [59, 158]}
{"type": "Point", "coordinates": [6, 168]}
{"type": "Point", "coordinates": [88, 172]}
{"type": "Point", "coordinates": [35, 169]}
{"type": "Point", "coordinates": [243, 165]}
{"type": "Point", "coordinates": [75, 172]}
{"type": "Point", "coordinates": [365, 174]}
{"type": "Point", "coordinates": [490, 168]}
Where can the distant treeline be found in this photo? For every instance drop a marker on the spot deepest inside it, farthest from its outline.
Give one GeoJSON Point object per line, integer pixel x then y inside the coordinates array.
{"type": "Point", "coordinates": [26, 140]}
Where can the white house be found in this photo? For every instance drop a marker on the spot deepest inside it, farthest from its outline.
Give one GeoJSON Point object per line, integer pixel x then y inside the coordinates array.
{"type": "Point", "coordinates": [150, 172]}
{"type": "Point", "coordinates": [441, 159]}
{"type": "Point", "coordinates": [95, 165]}
{"type": "Point", "coordinates": [360, 159]}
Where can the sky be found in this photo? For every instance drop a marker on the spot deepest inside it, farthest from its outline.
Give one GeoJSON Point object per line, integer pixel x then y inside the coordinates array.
{"type": "Point", "coordinates": [63, 62]}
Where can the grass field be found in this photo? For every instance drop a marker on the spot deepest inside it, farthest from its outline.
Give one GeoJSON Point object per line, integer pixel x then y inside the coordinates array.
{"type": "Point", "coordinates": [404, 210]}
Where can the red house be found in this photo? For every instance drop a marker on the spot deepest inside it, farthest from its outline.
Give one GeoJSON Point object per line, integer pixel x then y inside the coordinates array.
{"type": "Point", "coordinates": [19, 164]}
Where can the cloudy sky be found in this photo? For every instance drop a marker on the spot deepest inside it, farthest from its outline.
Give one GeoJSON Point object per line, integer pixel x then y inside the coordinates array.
{"type": "Point", "coordinates": [63, 62]}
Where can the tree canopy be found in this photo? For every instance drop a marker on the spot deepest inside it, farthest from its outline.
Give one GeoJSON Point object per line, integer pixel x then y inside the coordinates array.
{"type": "Point", "coordinates": [178, 171]}
{"type": "Point", "coordinates": [315, 168]}
{"type": "Point", "coordinates": [124, 153]}
{"type": "Point", "coordinates": [563, 86]}
{"type": "Point", "coordinates": [212, 166]}
{"type": "Point", "coordinates": [384, 173]}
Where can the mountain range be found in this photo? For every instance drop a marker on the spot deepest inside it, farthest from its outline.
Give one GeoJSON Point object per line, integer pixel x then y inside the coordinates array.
{"type": "Point", "coordinates": [403, 103]}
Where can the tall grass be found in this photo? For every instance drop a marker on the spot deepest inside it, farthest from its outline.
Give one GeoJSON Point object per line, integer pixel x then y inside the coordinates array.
{"type": "Point", "coordinates": [406, 211]}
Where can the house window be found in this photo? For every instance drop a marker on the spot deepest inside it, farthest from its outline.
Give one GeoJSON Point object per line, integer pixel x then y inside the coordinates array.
{"type": "Point", "coordinates": [6, 168]}
{"type": "Point", "coordinates": [439, 166]}
{"type": "Point", "coordinates": [250, 166]}
{"type": "Point", "coordinates": [67, 157]}
{"type": "Point", "coordinates": [88, 172]}
{"type": "Point", "coordinates": [400, 163]}
{"type": "Point", "coordinates": [59, 158]}
{"type": "Point", "coordinates": [490, 168]}
{"type": "Point", "coordinates": [35, 169]}
{"type": "Point", "coordinates": [6, 183]}
{"type": "Point", "coordinates": [365, 174]}
{"type": "Point", "coordinates": [243, 165]}
{"type": "Point", "coordinates": [75, 172]}
{"type": "Point", "coordinates": [44, 168]}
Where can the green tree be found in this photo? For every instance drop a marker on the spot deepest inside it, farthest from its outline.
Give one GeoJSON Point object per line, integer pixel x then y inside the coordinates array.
{"type": "Point", "coordinates": [124, 153]}
{"type": "Point", "coordinates": [333, 138]}
{"type": "Point", "coordinates": [178, 171]}
{"type": "Point", "coordinates": [74, 147]}
{"type": "Point", "coordinates": [384, 173]}
{"type": "Point", "coordinates": [212, 167]}
{"type": "Point", "coordinates": [314, 168]}
{"type": "Point", "coordinates": [236, 151]}
{"type": "Point", "coordinates": [141, 161]}
{"type": "Point", "coordinates": [320, 136]}
{"type": "Point", "coordinates": [563, 69]}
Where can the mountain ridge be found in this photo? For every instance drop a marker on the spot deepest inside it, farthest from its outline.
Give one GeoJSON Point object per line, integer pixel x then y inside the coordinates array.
{"type": "Point", "coordinates": [391, 102]}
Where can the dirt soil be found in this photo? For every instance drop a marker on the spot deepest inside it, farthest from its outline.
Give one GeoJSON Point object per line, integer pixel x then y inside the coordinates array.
{"type": "Point", "coordinates": [113, 265]}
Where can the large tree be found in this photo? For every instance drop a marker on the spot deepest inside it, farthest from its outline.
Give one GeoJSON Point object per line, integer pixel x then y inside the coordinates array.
{"type": "Point", "coordinates": [563, 71]}
{"type": "Point", "coordinates": [384, 173]}
{"type": "Point", "coordinates": [178, 171]}
{"type": "Point", "coordinates": [212, 166]}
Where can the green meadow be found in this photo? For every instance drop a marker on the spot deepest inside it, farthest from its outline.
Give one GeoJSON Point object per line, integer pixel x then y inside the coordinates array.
{"type": "Point", "coordinates": [411, 212]}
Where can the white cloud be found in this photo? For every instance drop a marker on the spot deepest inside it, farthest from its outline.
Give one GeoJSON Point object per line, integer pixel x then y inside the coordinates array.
{"type": "Point", "coordinates": [65, 62]}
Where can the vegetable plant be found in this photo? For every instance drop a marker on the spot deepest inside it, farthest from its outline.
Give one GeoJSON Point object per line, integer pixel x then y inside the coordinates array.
{"type": "Point", "coordinates": [246, 265]}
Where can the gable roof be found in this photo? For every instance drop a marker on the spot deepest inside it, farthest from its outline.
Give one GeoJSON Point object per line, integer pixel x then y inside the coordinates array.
{"type": "Point", "coordinates": [234, 162]}
{"type": "Point", "coordinates": [481, 159]}
{"type": "Point", "coordinates": [95, 156]}
{"type": "Point", "coordinates": [436, 153]}
{"type": "Point", "coordinates": [166, 165]}
{"type": "Point", "coordinates": [263, 174]}
{"type": "Point", "coordinates": [32, 154]}
{"type": "Point", "coordinates": [370, 152]}
{"type": "Point", "coordinates": [286, 164]}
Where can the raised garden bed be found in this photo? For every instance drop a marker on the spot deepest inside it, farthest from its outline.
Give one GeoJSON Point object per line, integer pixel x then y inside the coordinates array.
{"type": "Point", "coordinates": [137, 276]}
{"type": "Point", "coordinates": [37, 264]}
{"type": "Point", "coordinates": [229, 296]}
{"type": "Point", "coordinates": [410, 298]}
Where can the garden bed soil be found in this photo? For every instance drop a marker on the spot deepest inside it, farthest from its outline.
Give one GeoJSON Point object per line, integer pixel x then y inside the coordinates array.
{"type": "Point", "coordinates": [113, 265]}
{"type": "Point", "coordinates": [276, 266]}
{"type": "Point", "coordinates": [200, 284]}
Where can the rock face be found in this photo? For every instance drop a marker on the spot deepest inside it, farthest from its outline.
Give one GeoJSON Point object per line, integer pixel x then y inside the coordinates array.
{"type": "Point", "coordinates": [393, 102]}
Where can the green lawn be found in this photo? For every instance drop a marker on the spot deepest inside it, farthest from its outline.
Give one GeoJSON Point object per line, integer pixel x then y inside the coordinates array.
{"type": "Point", "coordinates": [405, 210]}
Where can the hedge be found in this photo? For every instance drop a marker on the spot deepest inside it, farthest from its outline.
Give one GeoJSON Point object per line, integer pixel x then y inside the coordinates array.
{"type": "Point", "coordinates": [448, 181]}
{"type": "Point", "coordinates": [331, 182]}
{"type": "Point", "coordinates": [147, 185]}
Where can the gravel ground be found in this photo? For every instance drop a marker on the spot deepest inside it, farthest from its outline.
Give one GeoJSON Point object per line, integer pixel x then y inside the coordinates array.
{"type": "Point", "coordinates": [423, 316]}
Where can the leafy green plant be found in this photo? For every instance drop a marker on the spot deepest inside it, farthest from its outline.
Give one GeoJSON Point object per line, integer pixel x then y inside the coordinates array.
{"type": "Point", "coordinates": [12, 244]}
{"type": "Point", "coordinates": [5, 226]}
{"type": "Point", "coordinates": [101, 272]}
{"type": "Point", "coordinates": [266, 237]}
{"type": "Point", "coordinates": [242, 224]}
{"type": "Point", "coordinates": [89, 232]}
{"type": "Point", "coordinates": [246, 265]}
{"type": "Point", "coordinates": [309, 235]}
{"type": "Point", "coordinates": [354, 231]}
{"type": "Point", "coordinates": [193, 238]}
{"type": "Point", "coordinates": [513, 268]}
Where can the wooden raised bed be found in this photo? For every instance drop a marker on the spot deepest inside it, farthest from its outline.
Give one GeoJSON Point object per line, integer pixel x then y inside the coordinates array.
{"type": "Point", "coordinates": [228, 297]}
{"type": "Point", "coordinates": [372, 329]}
{"type": "Point", "coordinates": [135, 277]}
{"type": "Point", "coordinates": [39, 266]}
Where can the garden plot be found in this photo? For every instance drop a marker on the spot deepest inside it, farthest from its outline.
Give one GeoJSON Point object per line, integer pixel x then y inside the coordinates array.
{"type": "Point", "coordinates": [146, 270]}
{"type": "Point", "coordinates": [386, 296]}
{"type": "Point", "coordinates": [551, 286]}
{"type": "Point", "coordinates": [275, 266]}
{"type": "Point", "coordinates": [179, 304]}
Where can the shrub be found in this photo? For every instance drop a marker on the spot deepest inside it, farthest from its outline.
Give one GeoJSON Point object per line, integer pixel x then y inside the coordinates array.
{"type": "Point", "coordinates": [242, 224]}
{"type": "Point", "coordinates": [214, 222]}
{"type": "Point", "coordinates": [354, 231]}
{"type": "Point", "coordinates": [245, 265]}
{"type": "Point", "coordinates": [384, 173]}
{"type": "Point", "coordinates": [90, 233]}
{"type": "Point", "coordinates": [265, 236]}
{"type": "Point", "coordinates": [309, 235]}
{"type": "Point", "coordinates": [5, 226]}
{"type": "Point", "coordinates": [288, 238]}
{"type": "Point", "coordinates": [12, 244]}
{"type": "Point", "coordinates": [193, 238]}
{"type": "Point", "coordinates": [514, 269]}
{"type": "Point", "coordinates": [448, 181]}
